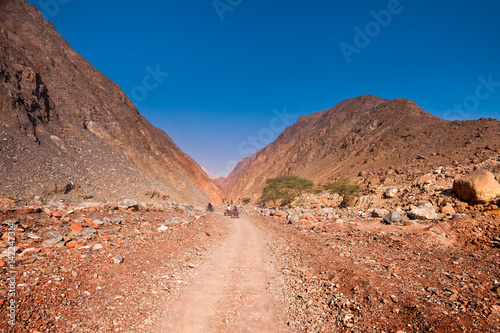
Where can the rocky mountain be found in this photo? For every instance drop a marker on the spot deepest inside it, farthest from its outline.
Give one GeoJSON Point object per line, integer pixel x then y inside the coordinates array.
{"type": "Point", "coordinates": [68, 130]}
{"type": "Point", "coordinates": [363, 135]}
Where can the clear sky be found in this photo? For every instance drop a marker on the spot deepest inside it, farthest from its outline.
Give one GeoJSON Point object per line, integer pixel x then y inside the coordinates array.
{"type": "Point", "coordinates": [224, 77]}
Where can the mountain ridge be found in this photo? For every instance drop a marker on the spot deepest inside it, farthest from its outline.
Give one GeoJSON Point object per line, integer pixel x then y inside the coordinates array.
{"type": "Point", "coordinates": [363, 133]}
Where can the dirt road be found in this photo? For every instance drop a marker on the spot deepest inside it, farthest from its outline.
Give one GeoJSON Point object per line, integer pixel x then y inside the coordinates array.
{"type": "Point", "coordinates": [230, 292]}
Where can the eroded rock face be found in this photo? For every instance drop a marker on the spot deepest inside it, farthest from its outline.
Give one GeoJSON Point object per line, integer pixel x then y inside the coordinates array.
{"type": "Point", "coordinates": [64, 122]}
{"type": "Point", "coordinates": [477, 187]}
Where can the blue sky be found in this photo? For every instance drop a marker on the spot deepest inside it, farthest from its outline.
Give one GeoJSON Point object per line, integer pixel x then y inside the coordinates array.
{"type": "Point", "coordinates": [231, 74]}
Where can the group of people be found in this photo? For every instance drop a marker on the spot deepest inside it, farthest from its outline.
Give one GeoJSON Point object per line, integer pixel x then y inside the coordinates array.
{"type": "Point", "coordinates": [210, 208]}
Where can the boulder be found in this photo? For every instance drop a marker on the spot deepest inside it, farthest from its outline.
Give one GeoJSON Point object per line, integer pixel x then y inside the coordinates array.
{"type": "Point", "coordinates": [379, 212]}
{"type": "Point", "coordinates": [391, 192]}
{"type": "Point", "coordinates": [392, 217]}
{"type": "Point", "coordinates": [423, 212]}
{"type": "Point", "coordinates": [293, 219]}
{"type": "Point", "coordinates": [131, 203]}
{"type": "Point", "coordinates": [448, 210]}
{"type": "Point", "coordinates": [478, 187]}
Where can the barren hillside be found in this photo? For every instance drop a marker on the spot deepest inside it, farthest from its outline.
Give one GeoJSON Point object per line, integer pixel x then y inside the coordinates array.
{"type": "Point", "coordinates": [67, 130]}
{"type": "Point", "coordinates": [365, 133]}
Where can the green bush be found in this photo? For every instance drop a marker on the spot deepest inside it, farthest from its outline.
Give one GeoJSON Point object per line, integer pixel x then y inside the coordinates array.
{"type": "Point", "coordinates": [349, 192]}
{"type": "Point", "coordinates": [246, 201]}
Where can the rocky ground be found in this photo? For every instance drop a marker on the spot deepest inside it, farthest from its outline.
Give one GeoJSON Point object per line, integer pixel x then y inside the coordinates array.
{"type": "Point", "coordinates": [433, 266]}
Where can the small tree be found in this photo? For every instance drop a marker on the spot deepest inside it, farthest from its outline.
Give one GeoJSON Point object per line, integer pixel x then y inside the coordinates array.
{"type": "Point", "coordinates": [284, 188]}
{"type": "Point", "coordinates": [246, 201]}
{"type": "Point", "coordinates": [343, 187]}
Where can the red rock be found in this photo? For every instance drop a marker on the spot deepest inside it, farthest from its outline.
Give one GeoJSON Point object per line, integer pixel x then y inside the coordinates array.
{"type": "Point", "coordinates": [2, 263]}
{"type": "Point", "coordinates": [75, 244]}
{"type": "Point", "coordinates": [88, 221]}
{"type": "Point", "coordinates": [5, 236]}
{"type": "Point", "coordinates": [57, 214]}
{"type": "Point", "coordinates": [76, 227]}
{"type": "Point", "coordinates": [278, 214]}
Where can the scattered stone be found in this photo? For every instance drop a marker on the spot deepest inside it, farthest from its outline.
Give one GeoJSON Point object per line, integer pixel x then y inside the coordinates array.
{"type": "Point", "coordinates": [90, 231]}
{"type": "Point", "coordinates": [448, 210]}
{"type": "Point", "coordinates": [10, 222]}
{"type": "Point", "coordinates": [478, 187]}
{"type": "Point", "coordinates": [54, 242]}
{"type": "Point", "coordinates": [51, 234]}
{"type": "Point", "coordinates": [130, 203]}
{"type": "Point", "coordinates": [118, 259]}
{"type": "Point", "coordinates": [76, 227]}
{"type": "Point", "coordinates": [116, 220]}
{"type": "Point", "coordinates": [97, 247]}
{"type": "Point", "coordinates": [178, 220]}
{"type": "Point", "coordinates": [97, 222]}
{"type": "Point", "coordinates": [75, 244]}
{"type": "Point", "coordinates": [293, 219]}
{"type": "Point", "coordinates": [423, 212]}
{"type": "Point", "coordinates": [32, 236]}
{"type": "Point", "coordinates": [392, 217]}
{"type": "Point", "coordinates": [162, 228]}
{"type": "Point", "coordinates": [379, 212]}
{"type": "Point", "coordinates": [391, 192]}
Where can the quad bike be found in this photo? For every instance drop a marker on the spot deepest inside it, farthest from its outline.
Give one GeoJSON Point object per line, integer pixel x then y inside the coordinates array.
{"type": "Point", "coordinates": [235, 214]}
{"type": "Point", "coordinates": [227, 212]}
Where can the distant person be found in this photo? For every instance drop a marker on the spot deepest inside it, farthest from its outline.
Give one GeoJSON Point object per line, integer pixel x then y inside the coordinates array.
{"type": "Point", "coordinates": [210, 208]}
{"type": "Point", "coordinates": [235, 209]}
{"type": "Point", "coordinates": [228, 208]}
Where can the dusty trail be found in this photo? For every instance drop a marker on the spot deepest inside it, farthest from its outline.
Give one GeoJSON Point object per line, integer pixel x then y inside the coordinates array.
{"type": "Point", "coordinates": [229, 293]}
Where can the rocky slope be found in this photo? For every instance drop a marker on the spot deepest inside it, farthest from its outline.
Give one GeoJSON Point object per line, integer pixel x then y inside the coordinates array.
{"type": "Point", "coordinates": [67, 130]}
{"type": "Point", "coordinates": [366, 134]}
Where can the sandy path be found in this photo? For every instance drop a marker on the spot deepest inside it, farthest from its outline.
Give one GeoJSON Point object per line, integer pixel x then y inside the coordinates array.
{"type": "Point", "coordinates": [229, 293]}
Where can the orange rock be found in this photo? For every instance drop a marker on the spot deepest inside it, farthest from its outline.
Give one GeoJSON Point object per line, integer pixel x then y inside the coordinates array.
{"type": "Point", "coordinates": [67, 219]}
{"type": "Point", "coordinates": [278, 214]}
{"type": "Point", "coordinates": [307, 218]}
{"type": "Point", "coordinates": [57, 214]}
{"type": "Point", "coordinates": [88, 221]}
{"type": "Point", "coordinates": [2, 263]}
{"type": "Point", "coordinates": [75, 244]}
{"type": "Point", "coordinates": [493, 212]}
{"type": "Point", "coordinates": [76, 227]}
{"type": "Point", "coordinates": [5, 237]}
